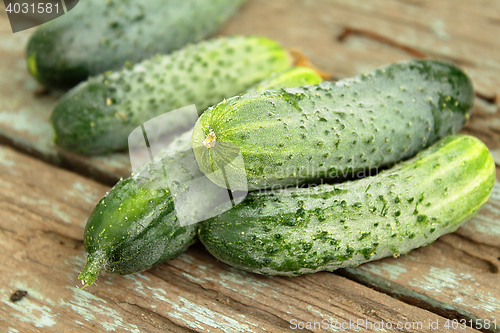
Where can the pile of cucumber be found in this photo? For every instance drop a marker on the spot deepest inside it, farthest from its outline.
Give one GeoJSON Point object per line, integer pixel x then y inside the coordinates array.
{"type": "Point", "coordinates": [338, 173]}
{"type": "Point", "coordinates": [299, 229]}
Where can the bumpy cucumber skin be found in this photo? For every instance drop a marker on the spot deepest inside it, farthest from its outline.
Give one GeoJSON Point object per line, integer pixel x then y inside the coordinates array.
{"type": "Point", "coordinates": [97, 35]}
{"type": "Point", "coordinates": [304, 230]}
{"type": "Point", "coordinates": [134, 227]}
{"type": "Point", "coordinates": [97, 116]}
{"type": "Point", "coordinates": [297, 135]}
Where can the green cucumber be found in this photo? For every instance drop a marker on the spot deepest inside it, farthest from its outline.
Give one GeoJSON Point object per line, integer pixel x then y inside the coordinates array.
{"type": "Point", "coordinates": [98, 35]}
{"type": "Point", "coordinates": [304, 230]}
{"type": "Point", "coordinates": [289, 78]}
{"type": "Point", "coordinates": [98, 115]}
{"type": "Point", "coordinates": [135, 226]}
{"type": "Point", "coordinates": [334, 129]}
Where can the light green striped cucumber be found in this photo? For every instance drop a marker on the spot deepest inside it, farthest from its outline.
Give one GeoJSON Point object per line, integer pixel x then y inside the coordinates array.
{"type": "Point", "coordinates": [98, 115]}
{"type": "Point", "coordinates": [304, 230]}
{"type": "Point", "coordinates": [334, 129]}
{"type": "Point", "coordinates": [136, 226]}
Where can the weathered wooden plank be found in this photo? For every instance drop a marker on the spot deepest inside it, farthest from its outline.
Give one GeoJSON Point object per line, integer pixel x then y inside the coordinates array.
{"type": "Point", "coordinates": [458, 275]}
{"type": "Point", "coordinates": [42, 214]}
{"type": "Point", "coordinates": [463, 31]}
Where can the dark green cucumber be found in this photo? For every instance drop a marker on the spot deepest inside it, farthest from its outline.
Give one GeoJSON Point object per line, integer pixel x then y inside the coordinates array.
{"type": "Point", "coordinates": [136, 226]}
{"type": "Point", "coordinates": [304, 230]}
{"type": "Point", "coordinates": [98, 115]}
{"type": "Point", "coordinates": [334, 129]}
{"type": "Point", "coordinates": [98, 35]}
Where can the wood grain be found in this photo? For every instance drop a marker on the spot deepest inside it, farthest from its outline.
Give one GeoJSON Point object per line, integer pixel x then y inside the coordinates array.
{"type": "Point", "coordinates": [42, 214]}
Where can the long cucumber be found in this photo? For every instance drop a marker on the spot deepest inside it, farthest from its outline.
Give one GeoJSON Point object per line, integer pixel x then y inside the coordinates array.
{"type": "Point", "coordinates": [298, 135]}
{"type": "Point", "coordinates": [304, 230]}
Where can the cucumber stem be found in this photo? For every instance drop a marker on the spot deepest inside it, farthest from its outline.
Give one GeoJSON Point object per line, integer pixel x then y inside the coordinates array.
{"type": "Point", "coordinates": [300, 60]}
{"type": "Point", "coordinates": [95, 261]}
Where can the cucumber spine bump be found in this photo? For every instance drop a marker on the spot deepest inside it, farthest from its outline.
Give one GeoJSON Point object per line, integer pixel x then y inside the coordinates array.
{"type": "Point", "coordinates": [304, 230]}
{"type": "Point", "coordinates": [98, 36]}
{"type": "Point", "coordinates": [335, 129]}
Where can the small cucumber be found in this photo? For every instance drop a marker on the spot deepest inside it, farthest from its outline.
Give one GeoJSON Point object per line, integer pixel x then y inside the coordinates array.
{"type": "Point", "coordinates": [289, 78]}
{"type": "Point", "coordinates": [135, 226]}
{"type": "Point", "coordinates": [98, 115]}
{"type": "Point", "coordinates": [334, 129]}
{"type": "Point", "coordinates": [304, 230]}
{"type": "Point", "coordinates": [98, 35]}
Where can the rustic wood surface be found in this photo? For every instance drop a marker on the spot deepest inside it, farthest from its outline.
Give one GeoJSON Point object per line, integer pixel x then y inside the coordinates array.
{"type": "Point", "coordinates": [43, 208]}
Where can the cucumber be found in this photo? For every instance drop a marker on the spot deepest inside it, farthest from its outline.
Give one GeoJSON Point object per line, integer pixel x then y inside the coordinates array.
{"type": "Point", "coordinates": [289, 78]}
{"type": "Point", "coordinates": [97, 35]}
{"type": "Point", "coordinates": [98, 115]}
{"type": "Point", "coordinates": [135, 226]}
{"type": "Point", "coordinates": [304, 230]}
{"type": "Point", "coordinates": [334, 129]}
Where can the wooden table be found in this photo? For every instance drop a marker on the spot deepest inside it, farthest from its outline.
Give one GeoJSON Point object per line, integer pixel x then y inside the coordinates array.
{"type": "Point", "coordinates": [46, 196]}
